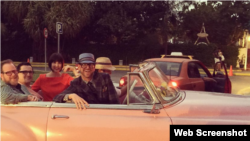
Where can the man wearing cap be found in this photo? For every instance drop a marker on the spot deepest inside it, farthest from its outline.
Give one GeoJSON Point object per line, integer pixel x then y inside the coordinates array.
{"type": "Point", "coordinates": [104, 65]}
{"type": "Point", "coordinates": [92, 87]}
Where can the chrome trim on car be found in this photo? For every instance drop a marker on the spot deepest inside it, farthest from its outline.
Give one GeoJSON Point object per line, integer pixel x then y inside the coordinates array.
{"type": "Point", "coordinates": [176, 101]}
{"type": "Point", "coordinates": [146, 84]}
{"type": "Point", "coordinates": [29, 104]}
{"type": "Point", "coordinates": [128, 81]}
{"type": "Point", "coordinates": [151, 85]}
{"type": "Point", "coordinates": [108, 106]}
{"type": "Point", "coordinates": [59, 116]}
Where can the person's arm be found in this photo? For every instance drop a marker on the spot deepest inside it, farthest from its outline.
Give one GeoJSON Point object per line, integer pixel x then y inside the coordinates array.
{"type": "Point", "coordinates": [70, 68]}
{"type": "Point", "coordinates": [68, 79]}
{"type": "Point", "coordinates": [37, 95]}
{"type": "Point", "coordinates": [8, 96]}
{"type": "Point", "coordinates": [64, 96]}
{"type": "Point", "coordinates": [32, 92]}
{"type": "Point", "coordinates": [118, 91]}
{"type": "Point", "coordinates": [222, 58]}
{"type": "Point", "coordinates": [70, 95]}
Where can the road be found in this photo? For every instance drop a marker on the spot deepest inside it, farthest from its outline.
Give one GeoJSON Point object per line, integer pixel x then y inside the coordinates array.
{"type": "Point", "coordinates": [240, 84]}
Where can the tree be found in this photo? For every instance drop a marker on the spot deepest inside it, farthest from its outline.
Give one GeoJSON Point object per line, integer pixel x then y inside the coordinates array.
{"type": "Point", "coordinates": [41, 14]}
{"type": "Point", "coordinates": [224, 21]}
{"type": "Point", "coordinates": [13, 38]}
{"type": "Point", "coordinates": [14, 11]}
{"type": "Point", "coordinates": [127, 19]}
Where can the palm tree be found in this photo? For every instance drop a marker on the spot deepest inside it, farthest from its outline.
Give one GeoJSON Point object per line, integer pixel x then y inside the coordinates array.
{"type": "Point", "coordinates": [74, 16]}
{"type": "Point", "coordinates": [14, 11]}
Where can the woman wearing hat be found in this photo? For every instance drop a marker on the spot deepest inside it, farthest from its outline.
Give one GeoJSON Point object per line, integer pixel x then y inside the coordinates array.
{"type": "Point", "coordinates": [53, 82]}
{"type": "Point", "coordinates": [104, 65]}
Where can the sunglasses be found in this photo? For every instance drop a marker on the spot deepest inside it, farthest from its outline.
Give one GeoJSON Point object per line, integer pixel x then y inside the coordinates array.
{"type": "Point", "coordinates": [26, 72]}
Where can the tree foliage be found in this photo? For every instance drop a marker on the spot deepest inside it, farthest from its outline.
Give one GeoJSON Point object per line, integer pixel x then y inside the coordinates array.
{"type": "Point", "coordinates": [73, 15]}
{"type": "Point", "coordinates": [139, 24]}
{"type": "Point", "coordinates": [224, 21]}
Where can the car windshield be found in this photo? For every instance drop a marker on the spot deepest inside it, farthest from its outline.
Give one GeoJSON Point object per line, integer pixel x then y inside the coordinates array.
{"type": "Point", "coordinates": [161, 84]}
{"type": "Point", "coordinates": [170, 68]}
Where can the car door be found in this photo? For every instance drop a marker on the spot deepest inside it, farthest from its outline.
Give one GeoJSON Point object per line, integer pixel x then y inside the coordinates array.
{"type": "Point", "coordinates": [223, 84]}
{"type": "Point", "coordinates": [207, 78]}
{"type": "Point", "coordinates": [25, 121]}
{"type": "Point", "coordinates": [106, 122]}
{"type": "Point", "coordinates": [124, 122]}
{"type": "Point", "coordinates": [195, 77]}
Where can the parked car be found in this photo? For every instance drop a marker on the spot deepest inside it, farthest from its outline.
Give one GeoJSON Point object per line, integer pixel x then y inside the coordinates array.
{"type": "Point", "coordinates": [190, 74]}
{"type": "Point", "coordinates": [147, 112]}
{"type": "Point", "coordinates": [177, 55]}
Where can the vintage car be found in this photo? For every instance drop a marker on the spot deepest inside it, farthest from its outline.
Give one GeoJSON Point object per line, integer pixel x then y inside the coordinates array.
{"type": "Point", "coordinates": [147, 112]}
{"type": "Point", "coordinates": [190, 74]}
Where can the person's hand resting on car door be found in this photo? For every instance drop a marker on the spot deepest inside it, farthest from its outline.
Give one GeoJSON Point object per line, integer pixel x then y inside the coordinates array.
{"type": "Point", "coordinates": [79, 102]}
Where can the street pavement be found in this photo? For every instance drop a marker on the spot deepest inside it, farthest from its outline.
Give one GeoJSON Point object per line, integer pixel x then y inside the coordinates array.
{"type": "Point", "coordinates": [240, 85]}
{"type": "Point", "coordinates": [235, 72]}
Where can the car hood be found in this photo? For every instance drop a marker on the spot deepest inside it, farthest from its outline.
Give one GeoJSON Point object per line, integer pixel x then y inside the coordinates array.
{"type": "Point", "coordinates": [210, 108]}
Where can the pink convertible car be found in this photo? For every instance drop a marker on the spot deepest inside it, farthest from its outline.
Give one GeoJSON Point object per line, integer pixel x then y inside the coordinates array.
{"type": "Point", "coordinates": [146, 113]}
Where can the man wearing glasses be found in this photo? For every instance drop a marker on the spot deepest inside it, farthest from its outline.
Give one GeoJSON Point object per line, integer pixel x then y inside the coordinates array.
{"type": "Point", "coordinates": [25, 74]}
{"type": "Point", "coordinates": [90, 87]}
{"type": "Point", "coordinates": [11, 91]}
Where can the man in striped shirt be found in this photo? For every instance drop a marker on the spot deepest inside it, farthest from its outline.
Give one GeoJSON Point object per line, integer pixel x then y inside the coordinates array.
{"type": "Point", "coordinates": [11, 91]}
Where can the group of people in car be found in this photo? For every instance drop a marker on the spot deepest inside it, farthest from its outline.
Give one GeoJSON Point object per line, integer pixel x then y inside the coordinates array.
{"type": "Point", "coordinates": [92, 84]}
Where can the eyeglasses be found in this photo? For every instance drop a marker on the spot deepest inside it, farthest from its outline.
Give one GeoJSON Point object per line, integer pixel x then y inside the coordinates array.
{"type": "Point", "coordinates": [9, 73]}
{"type": "Point", "coordinates": [26, 72]}
{"type": "Point", "coordinates": [91, 65]}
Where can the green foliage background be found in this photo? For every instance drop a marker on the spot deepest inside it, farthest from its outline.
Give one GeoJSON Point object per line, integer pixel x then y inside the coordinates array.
{"type": "Point", "coordinates": [122, 30]}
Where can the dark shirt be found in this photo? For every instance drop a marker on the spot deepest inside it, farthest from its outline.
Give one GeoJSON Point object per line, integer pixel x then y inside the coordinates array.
{"type": "Point", "coordinates": [105, 92]}
{"type": "Point", "coordinates": [13, 94]}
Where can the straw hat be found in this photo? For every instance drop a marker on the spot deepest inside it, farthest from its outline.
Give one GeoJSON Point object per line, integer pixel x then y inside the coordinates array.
{"type": "Point", "coordinates": [104, 63]}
